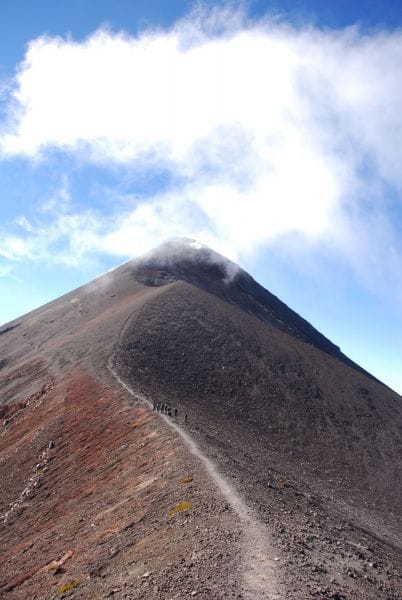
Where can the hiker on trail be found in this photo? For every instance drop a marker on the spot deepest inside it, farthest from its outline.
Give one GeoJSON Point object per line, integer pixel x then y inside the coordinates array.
{"type": "Point", "coordinates": [154, 406]}
{"type": "Point", "coordinates": [185, 418]}
{"type": "Point", "coordinates": [175, 413]}
{"type": "Point", "coordinates": [163, 409]}
{"type": "Point", "coordinates": [158, 407]}
{"type": "Point", "coordinates": [169, 411]}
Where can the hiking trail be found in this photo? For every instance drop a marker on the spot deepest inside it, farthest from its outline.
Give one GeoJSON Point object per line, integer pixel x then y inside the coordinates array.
{"type": "Point", "coordinates": [259, 580]}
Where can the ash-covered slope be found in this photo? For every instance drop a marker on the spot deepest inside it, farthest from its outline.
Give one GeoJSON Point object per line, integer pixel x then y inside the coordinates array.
{"type": "Point", "coordinates": [264, 390]}
{"type": "Point", "coordinates": [237, 359]}
{"type": "Point", "coordinates": [88, 478]}
{"type": "Point", "coordinates": [188, 260]}
{"type": "Point", "coordinates": [305, 433]}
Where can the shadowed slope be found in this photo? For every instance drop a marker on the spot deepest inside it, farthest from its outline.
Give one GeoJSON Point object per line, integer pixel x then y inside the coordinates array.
{"type": "Point", "coordinates": [313, 443]}
{"type": "Point", "coordinates": [264, 390]}
{"type": "Point", "coordinates": [189, 261]}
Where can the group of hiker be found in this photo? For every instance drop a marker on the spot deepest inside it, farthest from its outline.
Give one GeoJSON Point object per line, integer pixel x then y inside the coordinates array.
{"type": "Point", "coordinates": [165, 409]}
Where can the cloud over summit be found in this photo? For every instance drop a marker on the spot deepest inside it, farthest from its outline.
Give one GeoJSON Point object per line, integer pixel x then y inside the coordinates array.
{"type": "Point", "coordinates": [266, 130]}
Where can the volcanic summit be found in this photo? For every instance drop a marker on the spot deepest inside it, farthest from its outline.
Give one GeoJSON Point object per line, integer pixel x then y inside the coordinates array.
{"type": "Point", "coordinates": [173, 430]}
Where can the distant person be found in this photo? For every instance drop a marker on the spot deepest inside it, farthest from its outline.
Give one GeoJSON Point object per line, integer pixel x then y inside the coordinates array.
{"type": "Point", "coordinates": [185, 418]}
{"type": "Point", "coordinates": [175, 413]}
{"type": "Point", "coordinates": [169, 411]}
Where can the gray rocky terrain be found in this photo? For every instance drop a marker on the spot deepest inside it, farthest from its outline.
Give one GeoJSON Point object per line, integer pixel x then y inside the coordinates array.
{"type": "Point", "coordinates": [278, 478]}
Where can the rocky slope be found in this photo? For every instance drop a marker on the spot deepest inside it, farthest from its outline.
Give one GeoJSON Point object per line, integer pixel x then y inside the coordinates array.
{"type": "Point", "coordinates": [100, 497]}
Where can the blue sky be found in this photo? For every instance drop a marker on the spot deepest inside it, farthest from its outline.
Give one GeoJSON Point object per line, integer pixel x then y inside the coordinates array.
{"type": "Point", "coordinates": [269, 130]}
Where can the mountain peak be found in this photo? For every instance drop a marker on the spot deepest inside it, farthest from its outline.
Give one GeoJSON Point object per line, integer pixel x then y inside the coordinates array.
{"type": "Point", "coordinates": [179, 250]}
{"type": "Point", "coordinates": [188, 260]}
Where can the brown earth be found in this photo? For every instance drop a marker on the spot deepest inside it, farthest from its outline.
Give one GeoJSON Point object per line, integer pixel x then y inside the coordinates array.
{"type": "Point", "coordinates": [89, 476]}
{"type": "Point", "coordinates": [305, 500]}
{"type": "Point", "coordinates": [107, 476]}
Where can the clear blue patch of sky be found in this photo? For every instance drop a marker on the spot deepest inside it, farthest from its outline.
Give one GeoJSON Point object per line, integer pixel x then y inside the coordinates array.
{"type": "Point", "coordinates": [335, 13]}
{"type": "Point", "coordinates": [24, 186]}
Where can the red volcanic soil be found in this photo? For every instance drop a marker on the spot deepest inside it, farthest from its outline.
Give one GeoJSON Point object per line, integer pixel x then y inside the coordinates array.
{"type": "Point", "coordinates": [85, 499]}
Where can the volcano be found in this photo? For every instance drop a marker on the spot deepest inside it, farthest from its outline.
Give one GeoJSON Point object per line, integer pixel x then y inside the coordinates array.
{"type": "Point", "coordinates": [174, 430]}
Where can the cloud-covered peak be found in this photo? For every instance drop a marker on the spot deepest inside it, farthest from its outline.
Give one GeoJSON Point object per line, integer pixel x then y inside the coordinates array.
{"type": "Point", "coordinates": [186, 253]}
{"type": "Point", "coordinates": [270, 135]}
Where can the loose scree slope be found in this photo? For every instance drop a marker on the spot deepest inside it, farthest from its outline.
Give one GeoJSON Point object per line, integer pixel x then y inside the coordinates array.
{"type": "Point", "coordinates": [100, 497]}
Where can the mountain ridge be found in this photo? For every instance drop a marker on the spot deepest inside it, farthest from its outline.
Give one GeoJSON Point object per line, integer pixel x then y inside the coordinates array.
{"type": "Point", "coordinates": [90, 474]}
{"type": "Point", "coordinates": [190, 261]}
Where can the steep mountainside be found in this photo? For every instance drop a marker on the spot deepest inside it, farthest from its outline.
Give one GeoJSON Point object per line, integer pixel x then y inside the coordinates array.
{"type": "Point", "coordinates": [107, 497]}
{"type": "Point", "coordinates": [243, 380]}
{"type": "Point", "coordinates": [189, 261]}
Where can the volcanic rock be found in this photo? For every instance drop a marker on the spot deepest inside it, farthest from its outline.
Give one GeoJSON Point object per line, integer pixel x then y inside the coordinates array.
{"type": "Point", "coordinates": [279, 477]}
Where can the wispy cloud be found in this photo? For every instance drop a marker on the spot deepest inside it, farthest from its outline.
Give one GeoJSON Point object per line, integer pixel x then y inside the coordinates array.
{"type": "Point", "coordinates": [5, 270]}
{"type": "Point", "coordinates": [268, 131]}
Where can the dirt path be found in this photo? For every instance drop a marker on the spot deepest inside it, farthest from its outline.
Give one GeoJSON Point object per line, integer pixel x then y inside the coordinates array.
{"type": "Point", "coordinates": [259, 580]}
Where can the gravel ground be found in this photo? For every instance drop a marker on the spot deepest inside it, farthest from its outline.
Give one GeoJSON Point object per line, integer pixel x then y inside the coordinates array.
{"type": "Point", "coordinates": [293, 491]}
{"type": "Point", "coordinates": [322, 480]}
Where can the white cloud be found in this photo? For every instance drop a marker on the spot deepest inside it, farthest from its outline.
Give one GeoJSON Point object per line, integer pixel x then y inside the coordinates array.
{"type": "Point", "coordinates": [267, 130]}
{"type": "Point", "coordinates": [13, 247]}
